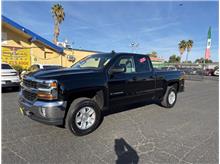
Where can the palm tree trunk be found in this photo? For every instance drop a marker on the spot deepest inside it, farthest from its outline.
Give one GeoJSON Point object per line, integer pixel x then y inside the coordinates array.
{"type": "Point", "coordinates": [56, 32]}
{"type": "Point", "coordinates": [54, 35]}
{"type": "Point", "coordinates": [186, 57]}
{"type": "Point", "coordinates": [55, 39]}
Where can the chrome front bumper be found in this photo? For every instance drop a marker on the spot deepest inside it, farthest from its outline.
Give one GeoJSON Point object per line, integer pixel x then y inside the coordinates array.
{"type": "Point", "coordinates": [49, 112]}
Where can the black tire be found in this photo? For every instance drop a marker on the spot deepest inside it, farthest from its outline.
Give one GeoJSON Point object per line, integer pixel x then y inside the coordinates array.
{"type": "Point", "coordinates": [76, 105]}
{"type": "Point", "coordinates": [165, 101]}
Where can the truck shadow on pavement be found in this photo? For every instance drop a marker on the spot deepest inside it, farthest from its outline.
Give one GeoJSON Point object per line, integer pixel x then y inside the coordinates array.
{"type": "Point", "coordinates": [125, 153]}
{"type": "Point", "coordinates": [8, 90]}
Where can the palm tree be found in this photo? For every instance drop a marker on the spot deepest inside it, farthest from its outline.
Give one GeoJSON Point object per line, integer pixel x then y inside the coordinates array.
{"type": "Point", "coordinates": [189, 45]}
{"type": "Point", "coordinates": [58, 16]}
{"type": "Point", "coordinates": [182, 47]}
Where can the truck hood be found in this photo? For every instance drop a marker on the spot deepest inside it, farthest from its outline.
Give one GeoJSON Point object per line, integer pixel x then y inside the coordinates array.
{"type": "Point", "coordinates": [56, 74]}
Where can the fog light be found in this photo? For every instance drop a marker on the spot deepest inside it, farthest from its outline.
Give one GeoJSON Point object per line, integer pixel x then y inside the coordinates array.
{"type": "Point", "coordinates": [43, 111]}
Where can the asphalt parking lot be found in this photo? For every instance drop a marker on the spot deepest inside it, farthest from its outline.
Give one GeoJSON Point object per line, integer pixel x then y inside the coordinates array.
{"type": "Point", "coordinates": [187, 133]}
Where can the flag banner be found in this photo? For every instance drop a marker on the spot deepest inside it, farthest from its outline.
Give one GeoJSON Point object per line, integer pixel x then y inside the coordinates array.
{"type": "Point", "coordinates": [207, 51]}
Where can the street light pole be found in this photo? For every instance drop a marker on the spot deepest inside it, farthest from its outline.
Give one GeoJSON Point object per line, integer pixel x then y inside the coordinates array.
{"type": "Point", "coordinates": [134, 46]}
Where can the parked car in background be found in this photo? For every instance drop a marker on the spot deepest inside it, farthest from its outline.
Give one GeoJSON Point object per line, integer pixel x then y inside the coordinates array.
{"type": "Point", "coordinates": [186, 71]}
{"type": "Point", "coordinates": [37, 67]}
{"type": "Point", "coordinates": [9, 77]}
{"type": "Point", "coordinates": [191, 71]}
{"type": "Point", "coordinates": [208, 72]}
{"type": "Point", "coordinates": [169, 68]}
{"type": "Point", "coordinates": [216, 72]}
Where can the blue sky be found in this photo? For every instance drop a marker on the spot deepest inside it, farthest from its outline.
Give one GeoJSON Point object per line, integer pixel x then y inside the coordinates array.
{"type": "Point", "coordinates": [106, 26]}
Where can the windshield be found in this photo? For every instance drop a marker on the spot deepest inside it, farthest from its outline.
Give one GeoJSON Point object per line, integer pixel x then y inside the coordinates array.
{"type": "Point", "coordinates": [6, 66]}
{"type": "Point", "coordinates": [93, 62]}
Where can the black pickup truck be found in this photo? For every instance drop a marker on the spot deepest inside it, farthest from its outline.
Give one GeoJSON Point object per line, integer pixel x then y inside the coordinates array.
{"type": "Point", "coordinates": [76, 97]}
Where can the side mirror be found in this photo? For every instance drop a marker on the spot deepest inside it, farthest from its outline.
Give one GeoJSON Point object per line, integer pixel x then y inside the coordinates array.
{"type": "Point", "coordinates": [118, 69]}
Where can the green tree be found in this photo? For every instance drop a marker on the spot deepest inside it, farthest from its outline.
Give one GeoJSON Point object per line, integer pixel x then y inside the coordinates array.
{"type": "Point", "coordinates": [189, 45]}
{"type": "Point", "coordinates": [182, 47]}
{"type": "Point", "coordinates": [174, 59]}
{"type": "Point", "coordinates": [198, 61]}
{"type": "Point", "coordinates": [208, 61]}
{"type": "Point", "coordinates": [153, 54]}
{"type": "Point", "coordinates": [189, 61]}
{"type": "Point", "coordinates": [201, 60]}
{"type": "Point", "coordinates": [58, 16]}
{"type": "Point", "coordinates": [18, 68]}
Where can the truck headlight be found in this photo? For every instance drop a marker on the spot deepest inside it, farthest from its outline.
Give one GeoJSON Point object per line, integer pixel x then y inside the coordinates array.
{"type": "Point", "coordinates": [50, 92]}
{"type": "Point", "coordinates": [53, 84]}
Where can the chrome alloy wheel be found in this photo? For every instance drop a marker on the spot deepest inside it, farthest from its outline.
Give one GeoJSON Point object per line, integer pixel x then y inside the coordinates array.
{"type": "Point", "coordinates": [85, 118]}
{"type": "Point", "coordinates": [171, 97]}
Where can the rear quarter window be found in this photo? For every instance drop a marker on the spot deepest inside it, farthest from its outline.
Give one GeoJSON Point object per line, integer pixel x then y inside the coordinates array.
{"type": "Point", "coordinates": [142, 63]}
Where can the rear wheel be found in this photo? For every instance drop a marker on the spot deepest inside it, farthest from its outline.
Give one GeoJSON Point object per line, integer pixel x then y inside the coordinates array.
{"type": "Point", "coordinates": [83, 117]}
{"type": "Point", "coordinates": [170, 97]}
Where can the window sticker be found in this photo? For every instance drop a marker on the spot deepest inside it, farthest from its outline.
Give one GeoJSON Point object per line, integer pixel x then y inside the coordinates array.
{"type": "Point", "coordinates": [142, 60]}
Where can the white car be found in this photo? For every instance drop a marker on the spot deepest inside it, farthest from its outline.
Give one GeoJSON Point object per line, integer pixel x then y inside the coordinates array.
{"type": "Point", "coordinates": [9, 76]}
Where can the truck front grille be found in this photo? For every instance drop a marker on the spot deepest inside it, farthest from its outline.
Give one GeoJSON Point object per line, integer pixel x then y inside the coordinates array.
{"type": "Point", "coordinates": [29, 95]}
{"type": "Point", "coordinates": [29, 83]}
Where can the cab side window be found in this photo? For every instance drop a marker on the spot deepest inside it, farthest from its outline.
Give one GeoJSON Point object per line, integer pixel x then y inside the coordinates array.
{"type": "Point", "coordinates": [142, 63]}
{"type": "Point", "coordinates": [128, 63]}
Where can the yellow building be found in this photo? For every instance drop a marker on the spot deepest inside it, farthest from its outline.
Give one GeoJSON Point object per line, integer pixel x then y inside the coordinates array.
{"type": "Point", "coordinates": [21, 46]}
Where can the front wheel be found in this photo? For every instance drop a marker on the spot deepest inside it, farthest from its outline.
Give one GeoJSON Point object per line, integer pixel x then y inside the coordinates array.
{"type": "Point", "coordinates": [170, 97]}
{"type": "Point", "coordinates": [83, 117]}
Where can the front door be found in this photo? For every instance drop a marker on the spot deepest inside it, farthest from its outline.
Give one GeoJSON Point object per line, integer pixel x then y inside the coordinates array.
{"type": "Point", "coordinates": [122, 86]}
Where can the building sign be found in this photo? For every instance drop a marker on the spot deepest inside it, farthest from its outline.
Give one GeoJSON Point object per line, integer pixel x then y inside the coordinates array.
{"type": "Point", "coordinates": [16, 56]}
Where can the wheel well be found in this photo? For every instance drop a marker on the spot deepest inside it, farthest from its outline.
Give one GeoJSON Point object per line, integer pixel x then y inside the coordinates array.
{"type": "Point", "coordinates": [97, 96]}
{"type": "Point", "coordinates": [175, 84]}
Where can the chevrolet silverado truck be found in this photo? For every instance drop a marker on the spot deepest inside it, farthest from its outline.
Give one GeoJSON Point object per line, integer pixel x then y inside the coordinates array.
{"type": "Point", "coordinates": [76, 97]}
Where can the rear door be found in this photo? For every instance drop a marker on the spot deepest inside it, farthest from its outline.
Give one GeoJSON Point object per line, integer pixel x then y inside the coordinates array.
{"type": "Point", "coordinates": [145, 78]}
